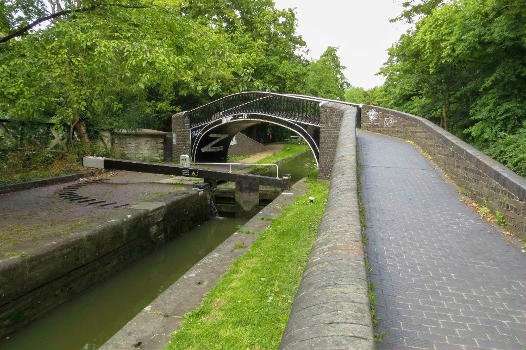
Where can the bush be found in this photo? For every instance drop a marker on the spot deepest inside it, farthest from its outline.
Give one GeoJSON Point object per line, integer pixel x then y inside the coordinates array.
{"type": "Point", "coordinates": [510, 150]}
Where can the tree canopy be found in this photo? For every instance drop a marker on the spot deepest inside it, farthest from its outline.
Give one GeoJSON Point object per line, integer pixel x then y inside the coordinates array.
{"type": "Point", "coordinates": [101, 64]}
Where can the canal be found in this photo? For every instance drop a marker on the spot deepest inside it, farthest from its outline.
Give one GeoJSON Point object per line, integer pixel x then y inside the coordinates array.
{"type": "Point", "coordinates": [90, 319]}
{"type": "Point", "coordinates": [94, 316]}
{"type": "Point", "coordinates": [298, 167]}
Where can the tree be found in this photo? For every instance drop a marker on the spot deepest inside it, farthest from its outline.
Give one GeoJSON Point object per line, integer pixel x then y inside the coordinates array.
{"type": "Point", "coordinates": [356, 94]}
{"type": "Point", "coordinates": [463, 66]}
{"type": "Point", "coordinates": [84, 72]}
{"type": "Point", "coordinates": [325, 76]}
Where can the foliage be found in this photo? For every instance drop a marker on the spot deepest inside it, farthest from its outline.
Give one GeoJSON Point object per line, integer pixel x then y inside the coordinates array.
{"type": "Point", "coordinates": [462, 66]}
{"type": "Point", "coordinates": [355, 94]}
{"type": "Point", "coordinates": [375, 96]}
{"type": "Point", "coordinates": [249, 307]}
{"type": "Point", "coordinates": [325, 76]}
{"type": "Point", "coordinates": [99, 64]}
{"type": "Point", "coordinates": [33, 162]}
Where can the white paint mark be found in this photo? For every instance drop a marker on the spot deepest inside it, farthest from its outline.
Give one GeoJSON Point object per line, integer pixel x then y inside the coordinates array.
{"type": "Point", "coordinates": [373, 115]}
{"type": "Point", "coordinates": [388, 122]}
{"type": "Point", "coordinates": [210, 147]}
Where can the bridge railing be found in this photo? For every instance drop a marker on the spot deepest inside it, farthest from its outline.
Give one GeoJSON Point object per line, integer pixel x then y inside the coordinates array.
{"type": "Point", "coordinates": [298, 108]}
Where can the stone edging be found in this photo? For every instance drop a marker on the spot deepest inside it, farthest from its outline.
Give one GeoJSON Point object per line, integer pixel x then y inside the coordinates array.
{"type": "Point", "coordinates": [43, 182]}
{"type": "Point", "coordinates": [331, 307]}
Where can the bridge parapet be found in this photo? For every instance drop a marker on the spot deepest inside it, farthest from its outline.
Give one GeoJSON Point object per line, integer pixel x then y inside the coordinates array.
{"type": "Point", "coordinates": [302, 109]}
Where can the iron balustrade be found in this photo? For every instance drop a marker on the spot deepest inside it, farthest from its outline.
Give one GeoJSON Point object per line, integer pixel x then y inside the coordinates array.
{"type": "Point", "coordinates": [302, 109]}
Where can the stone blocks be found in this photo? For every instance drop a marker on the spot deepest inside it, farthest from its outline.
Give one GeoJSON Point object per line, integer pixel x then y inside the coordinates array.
{"type": "Point", "coordinates": [34, 284]}
{"type": "Point", "coordinates": [180, 136]}
{"type": "Point", "coordinates": [141, 145]}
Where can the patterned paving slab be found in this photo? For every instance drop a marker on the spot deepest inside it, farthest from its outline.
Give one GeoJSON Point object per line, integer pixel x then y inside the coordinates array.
{"type": "Point", "coordinates": [445, 279]}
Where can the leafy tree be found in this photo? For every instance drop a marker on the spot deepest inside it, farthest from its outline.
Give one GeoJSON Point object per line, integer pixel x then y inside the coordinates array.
{"type": "Point", "coordinates": [88, 70]}
{"type": "Point", "coordinates": [463, 66]}
{"type": "Point", "coordinates": [325, 76]}
{"type": "Point", "coordinates": [356, 94]}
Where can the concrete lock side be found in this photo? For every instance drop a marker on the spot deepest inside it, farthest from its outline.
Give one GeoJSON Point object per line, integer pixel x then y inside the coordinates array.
{"type": "Point", "coordinates": [93, 162]}
{"type": "Point", "coordinates": [32, 285]}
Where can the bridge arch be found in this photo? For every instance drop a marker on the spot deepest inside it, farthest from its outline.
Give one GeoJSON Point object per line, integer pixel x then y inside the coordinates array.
{"type": "Point", "coordinates": [205, 132]}
{"type": "Point", "coordinates": [210, 142]}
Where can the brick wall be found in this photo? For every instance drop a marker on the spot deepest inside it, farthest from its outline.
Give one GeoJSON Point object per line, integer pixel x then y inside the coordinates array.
{"type": "Point", "coordinates": [331, 117]}
{"type": "Point", "coordinates": [142, 145]}
{"type": "Point", "coordinates": [482, 177]}
{"type": "Point", "coordinates": [181, 136]}
{"type": "Point", "coordinates": [244, 145]}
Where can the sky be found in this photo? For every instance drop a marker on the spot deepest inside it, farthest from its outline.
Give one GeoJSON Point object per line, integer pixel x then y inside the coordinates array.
{"type": "Point", "coordinates": [360, 29]}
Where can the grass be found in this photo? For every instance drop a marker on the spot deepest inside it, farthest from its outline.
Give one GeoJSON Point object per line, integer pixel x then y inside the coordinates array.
{"type": "Point", "coordinates": [249, 307]}
{"type": "Point", "coordinates": [289, 150]}
{"type": "Point", "coordinates": [483, 210]}
{"type": "Point", "coordinates": [236, 159]}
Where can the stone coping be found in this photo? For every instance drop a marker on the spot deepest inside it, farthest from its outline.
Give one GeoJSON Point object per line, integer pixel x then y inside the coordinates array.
{"type": "Point", "coordinates": [141, 132]}
{"type": "Point", "coordinates": [331, 307]}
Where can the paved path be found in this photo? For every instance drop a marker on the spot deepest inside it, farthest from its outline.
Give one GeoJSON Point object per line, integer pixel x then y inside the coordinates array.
{"type": "Point", "coordinates": [445, 279]}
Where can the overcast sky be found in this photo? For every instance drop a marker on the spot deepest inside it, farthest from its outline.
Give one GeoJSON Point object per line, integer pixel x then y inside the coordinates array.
{"type": "Point", "coordinates": [359, 28]}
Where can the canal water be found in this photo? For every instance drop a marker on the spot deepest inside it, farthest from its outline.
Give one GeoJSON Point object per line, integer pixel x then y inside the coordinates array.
{"type": "Point", "coordinates": [90, 319]}
{"type": "Point", "coordinates": [298, 167]}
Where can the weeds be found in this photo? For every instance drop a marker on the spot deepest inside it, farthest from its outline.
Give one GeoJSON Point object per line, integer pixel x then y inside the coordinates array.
{"type": "Point", "coordinates": [500, 218]}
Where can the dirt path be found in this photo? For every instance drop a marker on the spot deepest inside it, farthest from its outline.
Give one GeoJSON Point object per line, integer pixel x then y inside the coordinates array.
{"type": "Point", "coordinates": [270, 150]}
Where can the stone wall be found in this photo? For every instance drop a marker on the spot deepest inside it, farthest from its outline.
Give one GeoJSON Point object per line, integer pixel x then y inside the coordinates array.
{"type": "Point", "coordinates": [32, 285]}
{"type": "Point", "coordinates": [331, 307]}
{"type": "Point", "coordinates": [242, 144]}
{"type": "Point", "coordinates": [141, 145]}
{"type": "Point", "coordinates": [486, 180]}
{"type": "Point", "coordinates": [331, 116]}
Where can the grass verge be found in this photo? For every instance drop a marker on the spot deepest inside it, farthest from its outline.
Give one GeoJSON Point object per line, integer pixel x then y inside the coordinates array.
{"type": "Point", "coordinates": [236, 159]}
{"type": "Point", "coordinates": [289, 150]}
{"type": "Point", "coordinates": [250, 306]}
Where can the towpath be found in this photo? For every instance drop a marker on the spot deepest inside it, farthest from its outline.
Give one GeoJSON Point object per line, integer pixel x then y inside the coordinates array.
{"type": "Point", "coordinates": [270, 150]}
{"type": "Point", "coordinates": [444, 278]}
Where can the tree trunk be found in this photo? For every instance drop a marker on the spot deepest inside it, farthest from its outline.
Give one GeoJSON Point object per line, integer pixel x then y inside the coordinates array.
{"type": "Point", "coordinates": [445, 109]}
{"type": "Point", "coordinates": [83, 135]}
{"type": "Point", "coordinates": [81, 131]}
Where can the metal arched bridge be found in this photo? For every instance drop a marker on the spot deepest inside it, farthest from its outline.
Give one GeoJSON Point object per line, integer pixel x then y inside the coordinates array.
{"type": "Point", "coordinates": [213, 125]}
